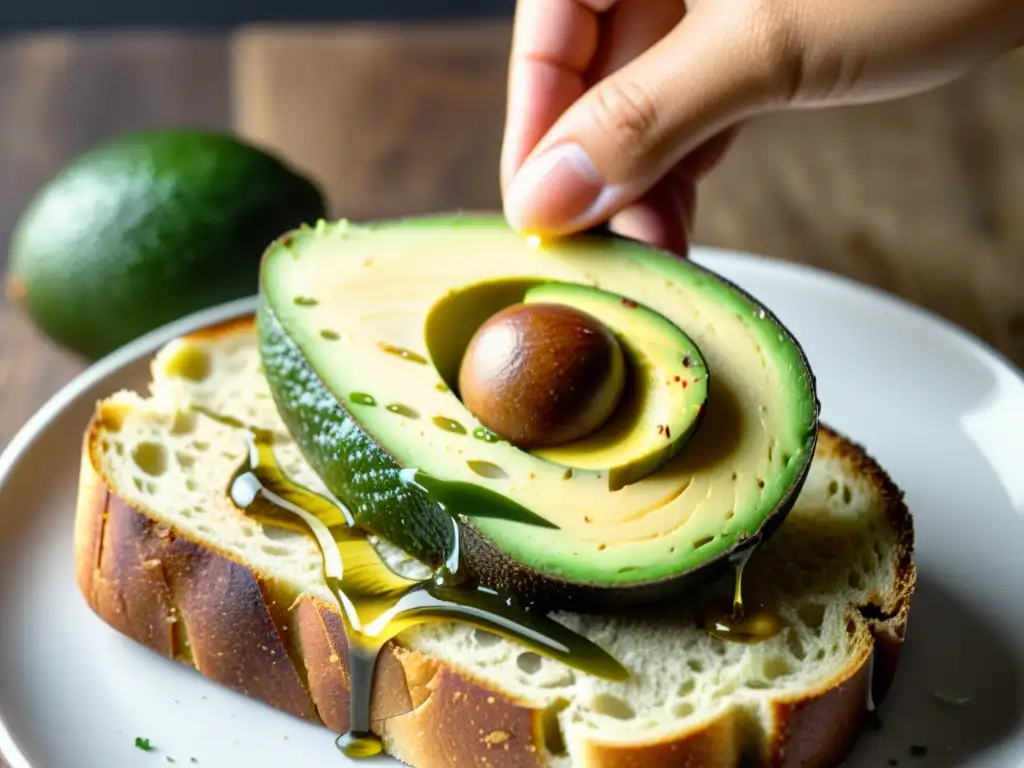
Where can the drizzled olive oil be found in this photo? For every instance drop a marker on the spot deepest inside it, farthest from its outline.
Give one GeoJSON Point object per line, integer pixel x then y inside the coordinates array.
{"type": "Point", "coordinates": [376, 602]}
{"type": "Point", "coordinates": [738, 623]}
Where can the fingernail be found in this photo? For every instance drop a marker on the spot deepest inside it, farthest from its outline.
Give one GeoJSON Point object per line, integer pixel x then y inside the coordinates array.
{"type": "Point", "coordinates": [555, 191]}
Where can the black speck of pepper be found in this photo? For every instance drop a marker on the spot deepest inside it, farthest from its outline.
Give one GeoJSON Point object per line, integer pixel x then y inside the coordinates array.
{"type": "Point", "coordinates": [629, 303]}
{"type": "Point", "coordinates": [678, 378]}
{"type": "Point", "coordinates": [668, 431]}
{"type": "Point", "coordinates": [685, 384]}
{"type": "Point", "coordinates": [687, 361]}
{"type": "Point", "coordinates": [661, 429]}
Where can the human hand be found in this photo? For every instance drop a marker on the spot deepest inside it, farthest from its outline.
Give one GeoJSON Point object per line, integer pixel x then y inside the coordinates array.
{"type": "Point", "coordinates": [616, 108]}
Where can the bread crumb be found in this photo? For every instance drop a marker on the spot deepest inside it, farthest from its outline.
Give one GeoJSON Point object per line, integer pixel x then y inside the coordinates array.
{"type": "Point", "coordinates": [334, 658]}
{"type": "Point", "coordinates": [496, 737]}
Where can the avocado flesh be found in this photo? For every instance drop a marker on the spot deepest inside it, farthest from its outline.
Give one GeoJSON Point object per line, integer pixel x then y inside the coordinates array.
{"type": "Point", "coordinates": [338, 292]}
{"type": "Point", "coordinates": [668, 386]}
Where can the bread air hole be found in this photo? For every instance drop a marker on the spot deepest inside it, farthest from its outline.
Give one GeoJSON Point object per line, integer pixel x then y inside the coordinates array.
{"type": "Point", "coordinates": [274, 550]}
{"type": "Point", "coordinates": [151, 458]}
{"type": "Point", "coordinates": [184, 423]}
{"type": "Point", "coordinates": [776, 667]}
{"type": "Point", "coordinates": [275, 533]}
{"type": "Point", "coordinates": [185, 461]}
{"type": "Point", "coordinates": [812, 615]}
{"type": "Point", "coordinates": [612, 706]}
{"type": "Point", "coordinates": [529, 662]}
{"type": "Point", "coordinates": [687, 688]}
{"type": "Point", "coordinates": [485, 639]}
{"type": "Point", "coordinates": [554, 739]}
{"type": "Point", "coordinates": [682, 709]}
{"type": "Point", "coordinates": [795, 645]}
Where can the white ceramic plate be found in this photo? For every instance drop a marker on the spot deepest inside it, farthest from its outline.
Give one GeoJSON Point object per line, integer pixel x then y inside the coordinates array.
{"type": "Point", "coordinates": [940, 411]}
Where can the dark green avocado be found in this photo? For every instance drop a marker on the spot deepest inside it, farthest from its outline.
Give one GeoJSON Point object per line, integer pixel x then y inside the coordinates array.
{"type": "Point", "coordinates": [361, 329]}
{"type": "Point", "coordinates": [148, 227]}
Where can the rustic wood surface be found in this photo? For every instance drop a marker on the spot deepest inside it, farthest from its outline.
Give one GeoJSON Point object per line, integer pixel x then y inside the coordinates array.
{"type": "Point", "coordinates": [921, 197]}
{"type": "Point", "coordinates": [58, 96]}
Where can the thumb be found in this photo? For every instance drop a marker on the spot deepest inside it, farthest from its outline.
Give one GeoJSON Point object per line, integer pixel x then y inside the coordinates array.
{"type": "Point", "coordinates": [630, 129]}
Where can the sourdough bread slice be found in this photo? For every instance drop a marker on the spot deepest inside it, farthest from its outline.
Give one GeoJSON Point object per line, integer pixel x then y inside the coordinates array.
{"type": "Point", "coordinates": [164, 557]}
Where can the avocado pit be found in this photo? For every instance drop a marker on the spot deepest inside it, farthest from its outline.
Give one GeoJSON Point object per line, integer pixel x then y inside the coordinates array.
{"type": "Point", "coordinates": [542, 374]}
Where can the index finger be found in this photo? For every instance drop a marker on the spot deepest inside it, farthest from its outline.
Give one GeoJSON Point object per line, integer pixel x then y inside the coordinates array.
{"type": "Point", "coordinates": [553, 43]}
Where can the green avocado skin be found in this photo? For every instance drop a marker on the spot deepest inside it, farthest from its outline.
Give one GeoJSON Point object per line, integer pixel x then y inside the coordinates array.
{"type": "Point", "coordinates": [149, 227]}
{"type": "Point", "coordinates": [350, 463]}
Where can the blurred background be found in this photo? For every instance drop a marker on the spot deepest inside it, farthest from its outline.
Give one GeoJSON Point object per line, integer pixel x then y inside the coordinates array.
{"type": "Point", "coordinates": [396, 107]}
{"type": "Point", "coordinates": [22, 14]}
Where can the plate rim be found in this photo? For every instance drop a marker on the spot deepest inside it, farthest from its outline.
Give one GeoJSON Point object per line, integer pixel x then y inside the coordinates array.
{"type": "Point", "coordinates": [150, 342]}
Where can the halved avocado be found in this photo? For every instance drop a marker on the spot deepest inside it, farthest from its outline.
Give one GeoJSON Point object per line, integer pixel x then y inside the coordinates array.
{"type": "Point", "coordinates": [362, 328]}
{"type": "Point", "coordinates": [667, 388]}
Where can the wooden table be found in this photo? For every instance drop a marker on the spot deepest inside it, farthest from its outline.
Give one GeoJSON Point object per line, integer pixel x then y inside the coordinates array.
{"type": "Point", "coordinates": [921, 197]}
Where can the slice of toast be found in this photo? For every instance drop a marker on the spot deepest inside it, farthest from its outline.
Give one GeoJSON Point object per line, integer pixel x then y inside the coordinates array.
{"type": "Point", "coordinates": [164, 557]}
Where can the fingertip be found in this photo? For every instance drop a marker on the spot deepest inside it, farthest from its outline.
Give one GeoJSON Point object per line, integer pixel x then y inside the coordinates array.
{"type": "Point", "coordinates": [663, 218]}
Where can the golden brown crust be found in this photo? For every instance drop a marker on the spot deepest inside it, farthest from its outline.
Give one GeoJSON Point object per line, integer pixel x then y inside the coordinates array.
{"type": "Point", "coordinates": [235, 325]}
{"type": "Point", "coordinates": [244, 630]}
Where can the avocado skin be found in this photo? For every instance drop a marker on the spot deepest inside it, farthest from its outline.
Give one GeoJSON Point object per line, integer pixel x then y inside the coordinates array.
{"type": "Point", "coordinates": [356, 470]}
{"type": "Point", "coordinates": [365, 477]}
{"type": "Point", "coordinates": [149, 227]}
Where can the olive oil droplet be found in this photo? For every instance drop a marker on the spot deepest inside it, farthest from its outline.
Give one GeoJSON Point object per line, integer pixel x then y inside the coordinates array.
{"type": "Point", "coordinates": [359, 745]}
{"type": "Point", "coordinates": [361, 398]}
{"type": "Point", "coordinates": [376, 603]}
{"type": "Point", "coordinates": [402, 352]}
{"type": "Point", "coordinates": [449, 425]}
{"type": "Point", "coordinates": [739, 624]}
{"type": "Point", "coordinates": [403, 410]}
{"type": "Point", "coordinates": [483, 433]}
{"type": "Point", "coordinates": [487, 469]}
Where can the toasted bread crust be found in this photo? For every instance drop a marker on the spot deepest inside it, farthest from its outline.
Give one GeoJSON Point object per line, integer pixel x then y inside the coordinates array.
{"type": "Point", "coordinates": [240, 628]}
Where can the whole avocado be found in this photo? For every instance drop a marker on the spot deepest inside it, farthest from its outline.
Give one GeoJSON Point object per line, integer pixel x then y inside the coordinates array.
{"type": "Point", "coordinates": [148, 227]}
